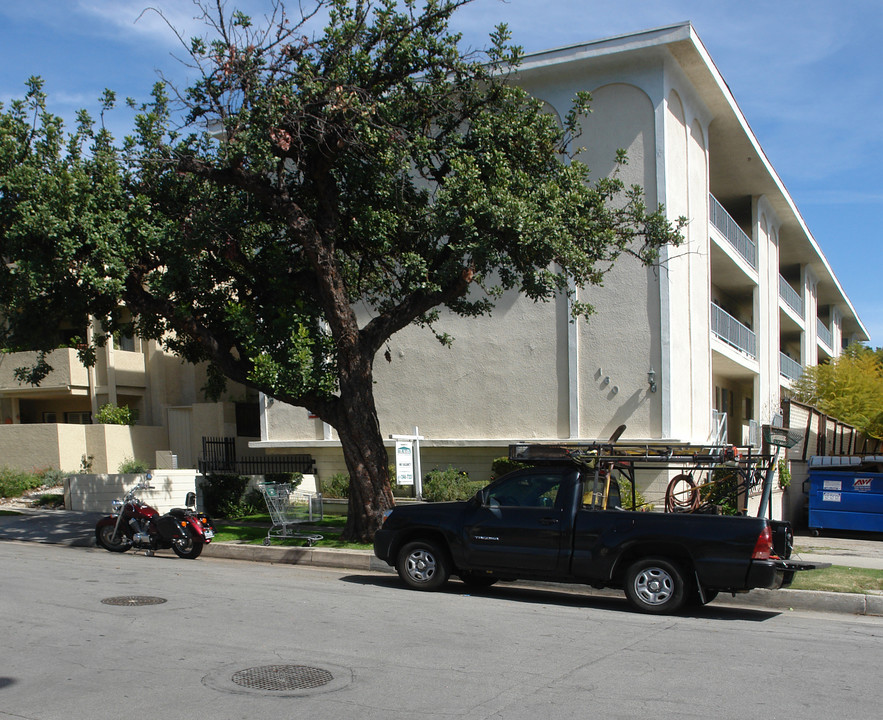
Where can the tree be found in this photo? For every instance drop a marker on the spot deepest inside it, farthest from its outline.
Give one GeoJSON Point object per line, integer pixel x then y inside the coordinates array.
{"type": "Point", "coordinates": [849, 388]}
{"type": "Point", "coordinates": [373, 166]}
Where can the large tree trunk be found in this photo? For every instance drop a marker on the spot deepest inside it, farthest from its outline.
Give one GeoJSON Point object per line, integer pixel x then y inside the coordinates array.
{"type": "Point", "coordinates": [367, 461]}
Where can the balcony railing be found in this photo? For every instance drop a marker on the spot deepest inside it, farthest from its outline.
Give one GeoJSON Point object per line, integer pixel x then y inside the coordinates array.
{"type": "Point", "coordinates": [789, 368]}
{"type": "Point", "coordinates": [728, 227]}
{"type": "Point", "coordinates": [824, 334]}
{"type": "Point", "coordinates": [790, 296]}
{"type": "Point", "coordinates": [732, 332]}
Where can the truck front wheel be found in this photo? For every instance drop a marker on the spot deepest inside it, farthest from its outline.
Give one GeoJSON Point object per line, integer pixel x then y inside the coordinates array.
{"type": "Point", "coordinates": [655, 585]}
{"type": "Point", "coordinates": [422, 565]}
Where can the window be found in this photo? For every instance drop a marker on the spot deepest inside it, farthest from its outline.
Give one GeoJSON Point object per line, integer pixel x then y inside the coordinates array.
{"type": "Point", "coordinates": [78, 418]}
{"type": "Point", "coordinates": [529, 490]}
{"type": "Point", "coordinates": [124, 338]}
{"type": "Point", "coordinates": [50, 417]}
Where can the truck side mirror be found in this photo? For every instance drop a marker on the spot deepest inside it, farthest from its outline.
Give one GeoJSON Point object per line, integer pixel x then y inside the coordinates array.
{"type": "Point", "coordinates": [190, 499]}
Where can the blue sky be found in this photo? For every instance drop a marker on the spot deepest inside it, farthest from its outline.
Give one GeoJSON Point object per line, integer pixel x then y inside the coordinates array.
{"type": "Point", "coordinates": [808, 75]}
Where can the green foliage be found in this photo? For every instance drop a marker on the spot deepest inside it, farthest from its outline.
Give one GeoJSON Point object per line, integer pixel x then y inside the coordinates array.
{"type": "Point", "coordinates": [130, 466]}
{"type": "Point", "coordinates": [502, 465]}
{"type": "Point", "coordinates": [849, 388]}
{"type": "Point", "coordinates": [15, 483]}
{"type": "Point", "coordinates": [292, 478]}
{"type": "Point", "coordinates": [252, 503]}
{"type": "Point", "coordinates": [448, 484]}
{"type": "Point", "coordinates": [111, 414]}
{"type": "Point", "coordinates": [625, 493]}
{"type": "Point", "coordinates": [86, 463]}
{"type": "Point", "coordinates": [53, 478]}
{"type": "Point", "coordinates": [222, 494]}
{"type": "Point", "coordinates": [337, 486]}
{"type": "Point", "coordinates": [377, 165]}
{"type": "Point", "coordinates": [722, 490]}
{"type": "Point", "coordinates": [784, 474]}
{"type": "Point", "coordinates": [49, 500]}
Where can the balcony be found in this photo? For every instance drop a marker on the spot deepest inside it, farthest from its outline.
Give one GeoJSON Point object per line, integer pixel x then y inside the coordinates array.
{"type": "Point", "coordinates": [824, 334]}
{"type": "Point", "coordinates": [67, 372]}
{"type": "Point", "coordinates": [790, 296]}
{"type": "Point", "coordinates": [732, 332]}
{"type": "Point", "coordinates": [789, 368]}
{"type": "Point", "coordinates": [734, 235]}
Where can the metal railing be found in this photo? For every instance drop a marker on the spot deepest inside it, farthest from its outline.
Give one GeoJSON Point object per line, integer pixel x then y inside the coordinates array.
{"type": "Point", "coordinates": [219, 456]}
{"type": "Point", "coordinates": [730, 229]}
{"type": "Point", "coordinates": [824, 334]}
{"type": "Point", "coordinates": [732, 332]}
{"type": "Point", "coordinates": [790, 296]}
{"type": "Point", "coordinates": [789, 368]}
{"type": "Point", "coordinates": [718, 428]}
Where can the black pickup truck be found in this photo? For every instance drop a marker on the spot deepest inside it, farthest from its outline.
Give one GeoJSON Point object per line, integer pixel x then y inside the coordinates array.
{"type": "Point", "coordinates": [556, 522]}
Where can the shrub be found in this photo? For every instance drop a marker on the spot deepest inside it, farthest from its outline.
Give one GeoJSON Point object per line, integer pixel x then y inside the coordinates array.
{"type": "Point", "coordinates": [337, 486]}
{"type": "Point", "coordinates": [784, 474]}
{"type": "Point", "coordinates": [130, 466]}
{"type": "Point", "coordinates": [446, 485]}
{"type": "Point", "coordinates": [722, 490]}
{"type": "Point", "coordinates": [111, 414]}
{"type": "Point", "coordinates": [294, 478]}
{"type": "Point", "coordinates": [53, 478]}
{"type": "Point", "coordinates": [15, 483]}
{"type": "Point", "coordinates": [502, 465]}
{"type": "Point", "coordinates": [625, 492]}
{"type": "Point", "coordinates": [222, 494]}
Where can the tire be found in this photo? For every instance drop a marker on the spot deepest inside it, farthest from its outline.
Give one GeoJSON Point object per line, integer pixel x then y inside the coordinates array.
{"type": "Point", "coordinates": [188, 547]}
{"type": "Point", "coordinates": [477, 580]}
{"type": "Point", "coordinates": [422, 565]}
{"type": "Point", "coordinates": [655, 585]}
{"type": "Point", "coordinates": [104, 538]}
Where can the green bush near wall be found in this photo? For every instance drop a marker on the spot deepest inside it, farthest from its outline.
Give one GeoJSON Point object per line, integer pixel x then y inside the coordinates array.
{"type": "Point", "coordinates": [15, 483]}
{"type": "Point", "coordinates": [449, 484]}
{"type": "Point", "coordinates": [222, 494]}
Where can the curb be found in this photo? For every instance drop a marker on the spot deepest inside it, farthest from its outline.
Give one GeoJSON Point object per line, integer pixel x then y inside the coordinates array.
{"type": "Point", "coordinates": [315, 557]}
{"type": "Point", "coordinates": [809, 600]}
{"type": "Point", "coordinates": [812, 600]}
{"type": "Point", "coordinates": [365, 561]}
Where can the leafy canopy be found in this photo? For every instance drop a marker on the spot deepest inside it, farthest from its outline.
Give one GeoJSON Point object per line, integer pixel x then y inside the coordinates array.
{"type": "Point", "coordinates": [375, 164]}
{"type": "Point", "coordinates": [849, 388]}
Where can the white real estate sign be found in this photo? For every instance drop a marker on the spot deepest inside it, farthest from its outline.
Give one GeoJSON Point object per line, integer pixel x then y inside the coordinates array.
{"type": "Point", "coordinates": [404, 462]}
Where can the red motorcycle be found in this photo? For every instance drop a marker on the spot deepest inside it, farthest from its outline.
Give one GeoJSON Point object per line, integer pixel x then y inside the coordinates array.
{"type": "Point", "coordinates": [134, 524]}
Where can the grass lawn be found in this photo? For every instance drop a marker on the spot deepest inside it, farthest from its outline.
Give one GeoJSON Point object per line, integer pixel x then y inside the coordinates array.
{"type": "Point", "coordinates": [839, 578]}
{"type": "Point", "coordinates": [253, 529]}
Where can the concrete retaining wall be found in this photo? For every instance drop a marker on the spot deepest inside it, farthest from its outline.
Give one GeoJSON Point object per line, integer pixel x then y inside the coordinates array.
{"type": "Point", "coordinates": [94, 493]}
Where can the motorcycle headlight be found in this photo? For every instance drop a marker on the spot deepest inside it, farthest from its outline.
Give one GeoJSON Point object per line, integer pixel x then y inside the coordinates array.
{"type": "Point", "coordinates": [116, 505]}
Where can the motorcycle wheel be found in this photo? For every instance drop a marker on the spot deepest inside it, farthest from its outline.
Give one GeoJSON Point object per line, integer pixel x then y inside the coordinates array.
{"type": "Point", "coordinates": [188, 547]}
{"type": "Point", "coordinates": [104, 537]}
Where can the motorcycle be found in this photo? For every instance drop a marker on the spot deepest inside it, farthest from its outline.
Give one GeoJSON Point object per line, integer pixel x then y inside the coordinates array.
{"type": "Point", "coordinates": [135, 524]}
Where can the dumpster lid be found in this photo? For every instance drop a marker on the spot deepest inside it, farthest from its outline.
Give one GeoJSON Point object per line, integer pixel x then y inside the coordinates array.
{"type": "Point", "coordinates": [838, 461]}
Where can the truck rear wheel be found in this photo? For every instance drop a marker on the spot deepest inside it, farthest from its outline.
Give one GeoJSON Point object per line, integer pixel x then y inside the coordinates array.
{"type": "Point", "coordinates": [655, 585]}
{"type": "Point", "coordinates": [422, 565]}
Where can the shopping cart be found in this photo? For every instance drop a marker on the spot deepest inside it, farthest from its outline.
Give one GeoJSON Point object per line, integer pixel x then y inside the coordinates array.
{"type": "Point", "coordinates": [288, 508]}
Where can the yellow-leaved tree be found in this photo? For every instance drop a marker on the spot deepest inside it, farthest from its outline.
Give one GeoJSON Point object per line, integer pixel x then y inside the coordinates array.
{"type": "Point", "coordinates": [850, 388]}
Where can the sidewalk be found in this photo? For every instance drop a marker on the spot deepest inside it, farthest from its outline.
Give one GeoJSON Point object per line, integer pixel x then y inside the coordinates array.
{"type": "Point", "coordinates": [77, 529]}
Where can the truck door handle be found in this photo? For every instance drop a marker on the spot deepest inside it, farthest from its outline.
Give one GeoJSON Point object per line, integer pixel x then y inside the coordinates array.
{"type": "Point", "coordinates": [549, 521]}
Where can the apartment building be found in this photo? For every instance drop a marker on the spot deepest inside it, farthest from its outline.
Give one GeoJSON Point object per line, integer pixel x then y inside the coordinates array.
{"type": "Point", "coordinates": [52, 425]}
{"type": "Point", "coordinates": [719, 329]}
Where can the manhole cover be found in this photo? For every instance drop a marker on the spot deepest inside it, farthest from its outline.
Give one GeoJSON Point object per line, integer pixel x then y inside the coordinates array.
{"type": "Point", "coordinates": [287, 677]}
{"type": "Point", "coordinates": [282, 677]}
{"type": "Point", "coordinates": [133, 600]}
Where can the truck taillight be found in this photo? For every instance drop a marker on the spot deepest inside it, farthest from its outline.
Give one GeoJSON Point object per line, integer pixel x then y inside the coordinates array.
{"type": "Point", "coordinates": [763, 548]}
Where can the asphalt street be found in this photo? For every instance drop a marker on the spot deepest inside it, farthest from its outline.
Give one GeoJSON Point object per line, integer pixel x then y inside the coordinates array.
{"type": "Point", "coordinates": [64, 527]}
{"type": "Point", "coordinates": [230, 639]}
